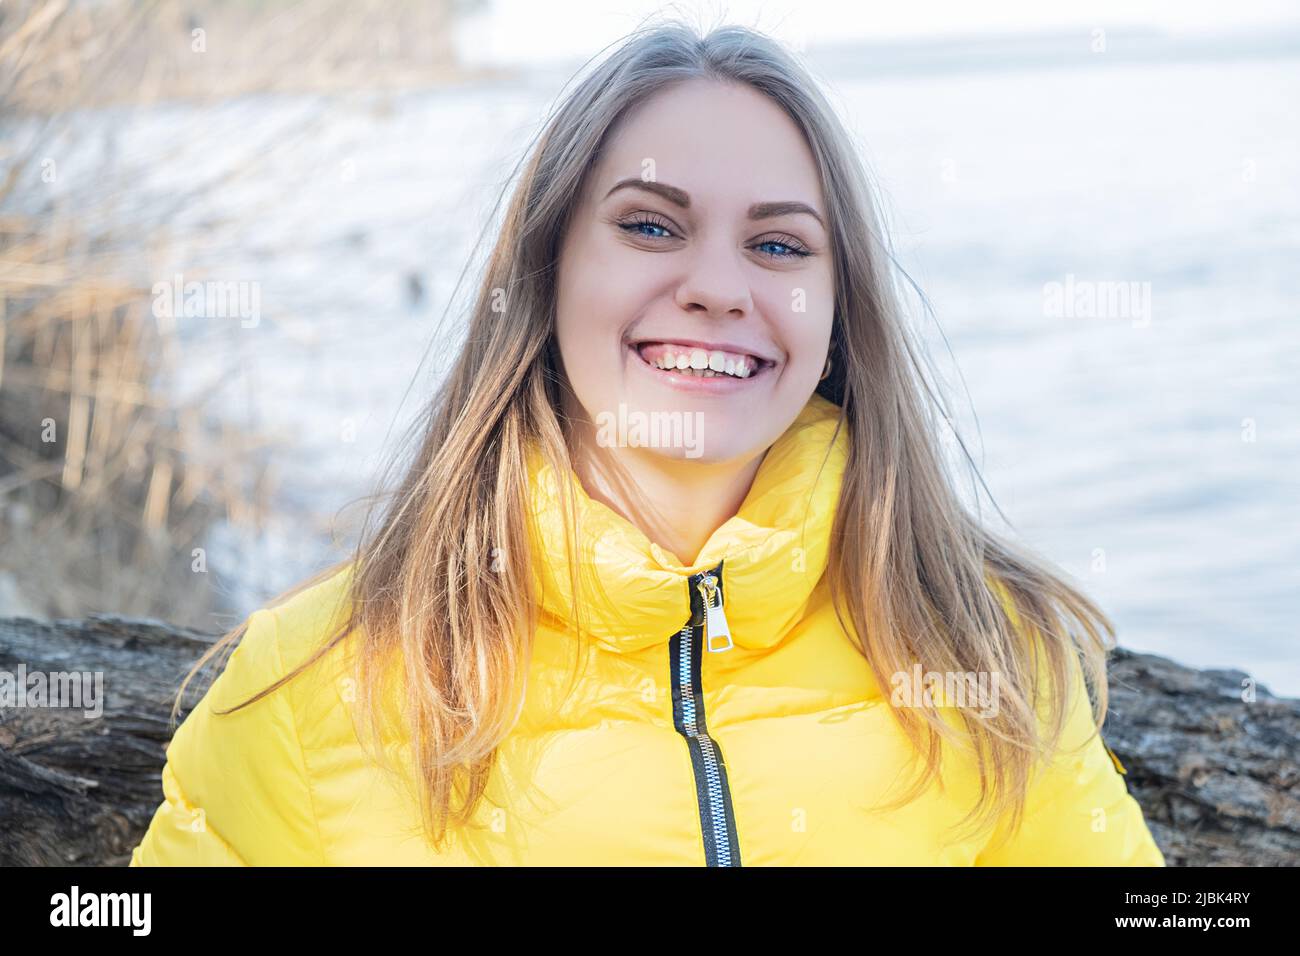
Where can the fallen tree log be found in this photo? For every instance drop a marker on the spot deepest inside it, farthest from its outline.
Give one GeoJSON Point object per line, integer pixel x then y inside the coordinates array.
{"type": "Point", "coordinates": [79, 791]}
{"type": "Point", "coordinates": [1211, 758]}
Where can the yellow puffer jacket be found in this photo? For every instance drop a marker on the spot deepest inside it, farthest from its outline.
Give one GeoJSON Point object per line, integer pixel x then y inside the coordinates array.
{"type": "Point", "coordinates": [723, 718]}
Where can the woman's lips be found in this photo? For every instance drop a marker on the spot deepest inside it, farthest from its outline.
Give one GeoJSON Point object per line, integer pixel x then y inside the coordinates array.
{"type": "Point", "coordinates": [695, 380]}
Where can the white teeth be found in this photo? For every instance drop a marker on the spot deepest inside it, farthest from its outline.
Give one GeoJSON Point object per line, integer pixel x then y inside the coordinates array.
{"type": "Point", "coordinates": [706, 364]}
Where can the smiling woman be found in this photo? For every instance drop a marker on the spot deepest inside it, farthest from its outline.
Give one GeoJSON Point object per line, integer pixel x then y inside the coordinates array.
{"type": "Point", "coordinates": [738, 267]}
{"type": "Point", "coordinates": [554, 647]}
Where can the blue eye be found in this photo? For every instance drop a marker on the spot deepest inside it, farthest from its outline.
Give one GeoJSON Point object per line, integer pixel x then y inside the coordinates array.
{"type": "Point", "coordinates": [638, 226]}
{"type": "Point", "coordinates": [795, 251]}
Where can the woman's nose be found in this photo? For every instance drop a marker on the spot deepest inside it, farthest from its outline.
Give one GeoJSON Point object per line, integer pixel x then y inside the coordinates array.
{"type": "Point", "coordinates": [716, 282]}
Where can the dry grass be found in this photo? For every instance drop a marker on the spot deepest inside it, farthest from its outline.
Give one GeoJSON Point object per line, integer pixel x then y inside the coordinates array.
{"type": "Point", "coordinates": [108, 488]}
{"type": "Point", "coordinates": [197, 49]}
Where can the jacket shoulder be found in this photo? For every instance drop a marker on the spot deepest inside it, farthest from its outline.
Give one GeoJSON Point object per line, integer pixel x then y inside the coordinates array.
{"type": "Point", "coordinates": [322, 681]}
{"type": "Point", "coordinates": [307, 619]}
{"type": "Point", "coordinates": [1078, 810]}
{"type": "Point", "coordinates": [236, 789]}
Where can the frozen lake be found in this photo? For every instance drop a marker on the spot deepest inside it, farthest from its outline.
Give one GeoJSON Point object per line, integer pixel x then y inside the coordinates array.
{"type": "Point", "coordinates": [1155, 454]}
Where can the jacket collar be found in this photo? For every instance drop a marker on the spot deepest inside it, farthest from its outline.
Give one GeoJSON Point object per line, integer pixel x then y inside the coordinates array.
{"type": "Point", "coordinates": [773, 551]}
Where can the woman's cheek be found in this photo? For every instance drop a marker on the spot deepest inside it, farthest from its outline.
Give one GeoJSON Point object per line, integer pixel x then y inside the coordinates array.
{"type": "Point", "coordinates": [590, 343]}
{"type": "Point", "coordinates": [802, 318]}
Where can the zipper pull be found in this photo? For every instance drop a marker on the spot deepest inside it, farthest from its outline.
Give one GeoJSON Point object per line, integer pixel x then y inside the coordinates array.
{"type": "Point", "coordinates": [715, 620]}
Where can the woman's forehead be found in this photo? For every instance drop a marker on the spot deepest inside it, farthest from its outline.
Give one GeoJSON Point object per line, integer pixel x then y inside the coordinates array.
{"type": "Point", "coordinates": [718, 147]}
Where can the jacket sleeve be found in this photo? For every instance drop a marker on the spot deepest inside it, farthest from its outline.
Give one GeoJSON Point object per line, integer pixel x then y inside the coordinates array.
{"type": "Point", "coordinates": [235, 786]}
{"type": "Point", "coordinates": [1079, 811]}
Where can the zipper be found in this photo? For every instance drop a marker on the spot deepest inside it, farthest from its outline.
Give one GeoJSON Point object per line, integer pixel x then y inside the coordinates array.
{"type": "Point", "coordinates": [707, 629]}
{"type": "Point", "coordinates": [715, 621]}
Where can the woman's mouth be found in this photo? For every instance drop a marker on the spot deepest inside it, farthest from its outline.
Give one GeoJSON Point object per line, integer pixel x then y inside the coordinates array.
{"type": "Point", "coordinates": [688, 364]}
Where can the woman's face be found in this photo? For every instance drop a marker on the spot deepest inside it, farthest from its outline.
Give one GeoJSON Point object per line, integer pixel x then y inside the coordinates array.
{"type": "Point", "coordinates": [699, 240]}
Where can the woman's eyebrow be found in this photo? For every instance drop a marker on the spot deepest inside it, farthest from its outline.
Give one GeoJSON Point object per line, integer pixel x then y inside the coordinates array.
{"type": "Point", "coordinates": [679, 197]}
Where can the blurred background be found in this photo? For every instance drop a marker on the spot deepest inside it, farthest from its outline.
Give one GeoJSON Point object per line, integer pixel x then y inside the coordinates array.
{"type": "Point", "coordinates": [236, 239]}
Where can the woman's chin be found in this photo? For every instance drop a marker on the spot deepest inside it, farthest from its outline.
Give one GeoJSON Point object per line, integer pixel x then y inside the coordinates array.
{"type": "Point", "coordinates": [675, 430]}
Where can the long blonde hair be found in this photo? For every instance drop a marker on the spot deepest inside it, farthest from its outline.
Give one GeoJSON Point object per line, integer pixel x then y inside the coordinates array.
{"type": "Point", "coordinates": [442, 575]}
